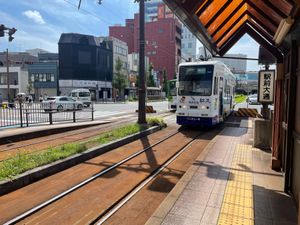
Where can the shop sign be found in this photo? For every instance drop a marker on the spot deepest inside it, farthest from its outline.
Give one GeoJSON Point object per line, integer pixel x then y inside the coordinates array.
{"type": "Point", "coordinates": [266, 86]}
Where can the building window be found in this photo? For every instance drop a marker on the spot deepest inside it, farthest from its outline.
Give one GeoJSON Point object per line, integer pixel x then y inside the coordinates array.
{"type": "Point", "coordinates": [48, 77]}
{"type": "Point", "coordinates": [3, 79]}
{"type": "Point", "coordinates": [189, 45]}
{"type": "Point", "coordinates": [160, 30]}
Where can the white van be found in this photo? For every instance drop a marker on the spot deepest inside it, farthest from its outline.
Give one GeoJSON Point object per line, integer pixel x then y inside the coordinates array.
{"type": "Point", "coordinates": [83, 95]}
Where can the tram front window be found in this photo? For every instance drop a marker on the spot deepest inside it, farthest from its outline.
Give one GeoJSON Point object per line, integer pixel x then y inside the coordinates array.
{"type": "Point", "coordinates": [195, 80]}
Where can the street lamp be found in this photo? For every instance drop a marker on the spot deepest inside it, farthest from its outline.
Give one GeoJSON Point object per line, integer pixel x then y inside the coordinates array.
{"type": "Point", "coordinates": [10, 32]}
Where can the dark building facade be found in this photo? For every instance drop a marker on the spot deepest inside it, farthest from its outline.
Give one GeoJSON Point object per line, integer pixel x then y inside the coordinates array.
{"type": "Point", "coordinates": [163, 42]}
{"type": "Point", "coordinates": [85, 62]}
{"type": "Point", "coordinates": [43, 78]}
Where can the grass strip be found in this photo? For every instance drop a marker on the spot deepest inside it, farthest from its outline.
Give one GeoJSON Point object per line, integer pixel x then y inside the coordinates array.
{"type": "Point", "coordinates": [24, 162]}
{"type": "Point", "coordinates": [240, 98]}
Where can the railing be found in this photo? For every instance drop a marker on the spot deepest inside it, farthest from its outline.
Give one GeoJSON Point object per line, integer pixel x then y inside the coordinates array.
{"type": "Point", "coordinates": [25, 114]}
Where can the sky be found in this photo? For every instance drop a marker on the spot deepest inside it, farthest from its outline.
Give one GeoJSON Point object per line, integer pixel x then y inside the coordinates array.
{"type": "Point", "coordinates": [39, 23]}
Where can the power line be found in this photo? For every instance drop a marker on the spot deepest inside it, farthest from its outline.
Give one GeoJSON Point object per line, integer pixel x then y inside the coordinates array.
{"type": "Point", "coordinates": [88, 12]}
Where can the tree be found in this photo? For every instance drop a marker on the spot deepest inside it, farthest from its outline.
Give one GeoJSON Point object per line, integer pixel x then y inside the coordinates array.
{"type": "Point", "coordinates": [165, 83]}
{"type": "Point", "coordinates": [120, 81]}
{"type": "Point", "coordinates": [29, 88]}
{"type": "Point", "coordinates": [175, 76]}
{"type": "Point", "coordinates": [150, 77]}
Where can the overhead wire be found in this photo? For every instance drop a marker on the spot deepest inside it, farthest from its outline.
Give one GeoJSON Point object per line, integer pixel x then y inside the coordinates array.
{"type": "Point", "coordinates": [88, 12]}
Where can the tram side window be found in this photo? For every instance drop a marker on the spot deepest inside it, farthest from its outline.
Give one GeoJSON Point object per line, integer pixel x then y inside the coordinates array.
{"type": "Point", "coordinates": [215, 86]}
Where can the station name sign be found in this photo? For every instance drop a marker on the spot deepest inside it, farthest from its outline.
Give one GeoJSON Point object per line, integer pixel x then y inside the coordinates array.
{"type": "Point", "coordinates": [266, 86]}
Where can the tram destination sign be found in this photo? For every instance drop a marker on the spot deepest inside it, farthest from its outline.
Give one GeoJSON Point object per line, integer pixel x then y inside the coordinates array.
{"type": "Point", "coordinates": [266, 86]}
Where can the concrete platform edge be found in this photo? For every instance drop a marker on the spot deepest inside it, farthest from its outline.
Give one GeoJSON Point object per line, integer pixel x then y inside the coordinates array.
{"type": "Point", "coordinates": [164, 208]}
{"type": "Point", "coordinates": [50, 169]}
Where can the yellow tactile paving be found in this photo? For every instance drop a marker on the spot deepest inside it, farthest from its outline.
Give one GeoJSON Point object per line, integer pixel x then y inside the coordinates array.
{"type": "Point", "coordinates": [237, 206]}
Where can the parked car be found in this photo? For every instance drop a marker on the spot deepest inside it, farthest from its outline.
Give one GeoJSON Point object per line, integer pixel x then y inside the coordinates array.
{"type": "Point", "coordinates": [61, 103]}
{"type": "Point", "coordinates": [83, 95]}
{"type": "Point", "coordinates": [253, 99]}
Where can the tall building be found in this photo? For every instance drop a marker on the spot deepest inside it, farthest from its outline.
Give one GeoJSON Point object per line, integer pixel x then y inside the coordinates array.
{"type": "Point", "coordinates": [157, 9]}
{"type": "Point", "coordinates": [163, 41]}
{"type": "Point", "coordinates": [85, 62]}
{"type": "Point", "coordinates": [120, 51]}
{"type": "Point", "coordinates": [188, 44]}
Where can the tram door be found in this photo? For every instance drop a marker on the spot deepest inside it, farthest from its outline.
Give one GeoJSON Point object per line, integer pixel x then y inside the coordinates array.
{"type": "Point", "coordinates": [221, 99]}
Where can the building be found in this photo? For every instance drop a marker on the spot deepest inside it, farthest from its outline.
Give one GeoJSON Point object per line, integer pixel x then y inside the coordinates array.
{"type": "Point", "coordinates": [124, 33]}
{"type": "Point", "coordinates": [18, 73]}
{"type": "Point", "coordinates": [43, 79]}
{"type": "Point", "coordinates": [163, 42]}
{"type": "Point", "coordinates": [17, 59]}
{"type": "Point", "coordinates": [157, 9]}
{"type": "Point", "coordinates": [85, 61]}
{"type": "Point", "coordinates": [188, 45]}
{"type": "Point", "coordinates": [48, 57]}
{"type": "Point", "coordinates": [235, 65]}
{"type": "Point", "coordinates": [247, 83]}
{"type": "Point", "coordinates": [36, 51]}
{"type": "Point", "coordinates": [18, 80]}
{"type": "Point", "coordinates": [238, 66]}
{"type": "Point", "coordinates": [120, 51]}
{"type": "Point", "coordinates": [133, 66]}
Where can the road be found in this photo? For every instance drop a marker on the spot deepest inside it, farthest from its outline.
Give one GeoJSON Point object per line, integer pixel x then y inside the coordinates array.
{"type": "Point", "coordinates": [36, 115]}
{"type": "Point", "coordinates": [109, 109]}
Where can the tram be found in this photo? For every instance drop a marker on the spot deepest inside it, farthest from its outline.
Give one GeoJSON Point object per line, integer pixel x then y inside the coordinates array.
{"type": "Point", "coordinates": [154, 93]}
{"type": "Point", "coordinates": [205, 93]}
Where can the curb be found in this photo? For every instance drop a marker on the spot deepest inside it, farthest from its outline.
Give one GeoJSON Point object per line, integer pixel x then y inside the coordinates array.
{"type": "Point", "coordinates": [41, 133]}
{"type": "Point", "coordinates": [55, 167]}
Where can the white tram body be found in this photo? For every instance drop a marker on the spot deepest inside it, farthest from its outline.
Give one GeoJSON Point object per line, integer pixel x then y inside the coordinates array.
{"type": "Point", "coordinates": [205, 93]}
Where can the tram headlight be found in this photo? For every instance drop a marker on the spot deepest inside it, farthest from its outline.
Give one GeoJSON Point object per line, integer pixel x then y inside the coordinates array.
{"type": "Point", "coordinates": [203, 107]}
{"type": "Point", "coordinates": [184, 106]}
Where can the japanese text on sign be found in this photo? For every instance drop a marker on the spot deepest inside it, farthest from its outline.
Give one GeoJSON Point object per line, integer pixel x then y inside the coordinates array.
{"type": "Point", "coordinates": [266, 84]}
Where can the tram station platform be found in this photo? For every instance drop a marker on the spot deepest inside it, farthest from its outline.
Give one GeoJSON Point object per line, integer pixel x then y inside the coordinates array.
{"type": "Point", "coordinates": [230, 183]}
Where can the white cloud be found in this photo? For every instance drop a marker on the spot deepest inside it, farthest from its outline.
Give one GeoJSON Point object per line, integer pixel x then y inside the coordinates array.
{"type": "Point", "coordinates": [35, 16]}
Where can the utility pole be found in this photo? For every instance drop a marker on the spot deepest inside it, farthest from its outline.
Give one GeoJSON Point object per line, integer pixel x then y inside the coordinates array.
{"type": "Point", "coordinates": [7, 79]}
{"type": "Point", "coordinates": [142, 83]}
{"type": "Point", "coordinates": [10, 32]}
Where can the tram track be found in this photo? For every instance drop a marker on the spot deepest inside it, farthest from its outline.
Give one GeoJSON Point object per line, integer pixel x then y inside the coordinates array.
{"type": "Point", "coordinates": [7, 150]}
{"type": "Point", "coordinates": [112, 210]}
{"type": "Point", "coordinates": [161, 143]}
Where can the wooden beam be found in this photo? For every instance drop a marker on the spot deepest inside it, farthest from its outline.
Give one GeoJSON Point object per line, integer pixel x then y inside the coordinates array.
{"type": "Point", "coordinates": [229, 28]}
{"type": "Point", "coordinates": [275, 9]}
{"type": "Point", "coordinates": [271, 48]}
{"type": "Point", "coordinates": [251, 4]}
{"type": "Point", "coordinates": [245, 28]}
{"type": "Point", "coordinates": [217, 14]}
{"type": "Point", "coordinates": [228, 18]}
{"type": "Point", "coordinates": [207, 4]}
{"type": "Point", "coordinates": [261, 24]}
{"type": "Point", "coordinates": [228, 45]}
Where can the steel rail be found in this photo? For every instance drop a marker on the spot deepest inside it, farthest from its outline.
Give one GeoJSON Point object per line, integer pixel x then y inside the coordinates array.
{"type": "Point", "coordinates": [83, 183]}
{"type": "Point", "coordinates": [132, 193]}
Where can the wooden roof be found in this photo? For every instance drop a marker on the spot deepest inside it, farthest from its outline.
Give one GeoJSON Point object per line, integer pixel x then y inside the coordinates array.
{"type": "Point", "coordinates": [219, 24]}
